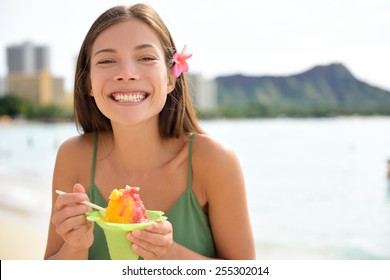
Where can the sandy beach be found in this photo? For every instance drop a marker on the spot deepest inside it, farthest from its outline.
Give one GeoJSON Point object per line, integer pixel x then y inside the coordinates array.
{"type": "Point", "coordinates": [21, 236]}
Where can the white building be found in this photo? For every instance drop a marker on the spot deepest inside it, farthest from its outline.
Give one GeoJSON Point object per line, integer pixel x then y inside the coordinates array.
{"type": "Point", "coordinates": [203, 92]}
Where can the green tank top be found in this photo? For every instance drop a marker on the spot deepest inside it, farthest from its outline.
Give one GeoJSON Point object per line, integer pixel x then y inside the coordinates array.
{"type": "Point", "coordinates": [191, 227]}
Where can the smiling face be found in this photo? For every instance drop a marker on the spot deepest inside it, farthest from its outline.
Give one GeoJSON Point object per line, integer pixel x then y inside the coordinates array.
{"type": "Point", "coordinates": [129, 77]}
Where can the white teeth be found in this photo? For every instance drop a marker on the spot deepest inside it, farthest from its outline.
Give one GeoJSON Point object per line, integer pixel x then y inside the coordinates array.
{"type": "Point", "coordinates": [133, 98]}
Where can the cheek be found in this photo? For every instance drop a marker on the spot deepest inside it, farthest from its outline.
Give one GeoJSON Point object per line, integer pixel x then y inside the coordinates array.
{"type": "Point", "coordinates": [95, 81]}
{"type": "Point", "coordinates": [165, 84]}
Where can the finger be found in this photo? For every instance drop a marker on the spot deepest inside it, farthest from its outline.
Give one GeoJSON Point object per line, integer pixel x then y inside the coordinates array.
{"type": "Point", "coordinates": [163, 227]}
{"type": "Point", "coordinates": [81, 237]}
{"type": "Point", "coordinates": [80, 231]}
{"type": "Point", "coordinates": [66, 213]}
{"type": "Point", "coordinates": [145, 254]}
{"type": "Point", "coordinates": [146, 245]}
{"type": "Point", "coordinates": [69, 198]}
{"type": "Point", "coordinates": [70, 224]}
{"type": "Point", "coordinates": [78, 188]}
{"type": "Point", "coordinates": [154, 239]}
{"type": "Point", "coordinates": [71, 210]}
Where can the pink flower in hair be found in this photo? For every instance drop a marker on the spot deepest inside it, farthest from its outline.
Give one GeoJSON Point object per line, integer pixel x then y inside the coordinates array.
{"type": "Point", "coordinates": [180, 62]}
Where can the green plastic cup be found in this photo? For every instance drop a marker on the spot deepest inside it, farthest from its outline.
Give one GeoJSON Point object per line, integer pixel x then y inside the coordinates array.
{"type": "Point", "coordinates": [116, 234]}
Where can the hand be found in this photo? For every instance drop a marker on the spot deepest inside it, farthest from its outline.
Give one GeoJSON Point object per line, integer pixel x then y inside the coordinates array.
{"type": "Point", "coordinates": [154, 242]}
{"type": "Point", "coordinates": [69, 218]}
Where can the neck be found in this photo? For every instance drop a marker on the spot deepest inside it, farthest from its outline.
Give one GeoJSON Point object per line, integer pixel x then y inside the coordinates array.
{"type": "Point", "coordinates": [139, 148]}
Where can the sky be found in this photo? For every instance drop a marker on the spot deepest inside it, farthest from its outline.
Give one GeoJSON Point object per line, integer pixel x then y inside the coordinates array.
{"type": "Point", "coordinates": [251, 37]}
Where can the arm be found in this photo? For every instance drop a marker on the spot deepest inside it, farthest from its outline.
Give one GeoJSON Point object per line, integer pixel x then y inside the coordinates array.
{"type": "Point", "coordinates": [70, 235]}
{"type": "Point", "coordinates": [228, 208]}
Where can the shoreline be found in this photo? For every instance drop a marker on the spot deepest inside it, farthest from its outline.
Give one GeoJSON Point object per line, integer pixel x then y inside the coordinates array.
{"type": "Point", "coordinates": [7, 121]}
{"type": "Point", "coordinates": [22, 236]}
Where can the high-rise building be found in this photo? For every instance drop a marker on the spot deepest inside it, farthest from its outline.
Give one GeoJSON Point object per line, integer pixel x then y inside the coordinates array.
{"type": "Point", "coordinates": [27, 59]}
{"type": "Point", "coordinates": [3, 86]}
{"type": "Point", "coordinates": [203, 92]}
{"type": "Point", "coordinates": [29, 74]}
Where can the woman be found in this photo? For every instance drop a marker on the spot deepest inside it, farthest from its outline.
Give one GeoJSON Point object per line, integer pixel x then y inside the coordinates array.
{"type": "Point", "coordinates": [138, 126]}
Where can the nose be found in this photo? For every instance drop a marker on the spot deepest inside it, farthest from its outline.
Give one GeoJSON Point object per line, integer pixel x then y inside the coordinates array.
{"type": "Point", "coordinates": [126, 74]}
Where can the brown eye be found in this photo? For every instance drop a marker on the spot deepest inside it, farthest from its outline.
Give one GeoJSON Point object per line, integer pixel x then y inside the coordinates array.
{"type": "Point", "coordinates": [148, 58]}
{"type": "Point", "coordinates": [106, 61]}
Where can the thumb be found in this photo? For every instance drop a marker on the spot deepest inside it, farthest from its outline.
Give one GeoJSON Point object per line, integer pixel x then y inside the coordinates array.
{"type": "Point", "coordinates": [78, 188]}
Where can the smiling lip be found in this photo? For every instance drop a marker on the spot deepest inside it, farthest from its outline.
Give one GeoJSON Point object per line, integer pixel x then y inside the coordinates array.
{"type": "Point", "coordinates": [129, 96]}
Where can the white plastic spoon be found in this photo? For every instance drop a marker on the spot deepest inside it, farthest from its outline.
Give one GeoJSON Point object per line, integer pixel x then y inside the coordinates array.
{"type": "Point", "coordinates": [85, 202]}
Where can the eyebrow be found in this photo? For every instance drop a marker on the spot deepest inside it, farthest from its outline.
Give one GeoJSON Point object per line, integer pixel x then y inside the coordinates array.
{"type": "Point", "coordinates": [104, 51]}
{"type": "Point", "coordinates": [139, 47]}
{"type": "Point", "coordinates": [144, 46]}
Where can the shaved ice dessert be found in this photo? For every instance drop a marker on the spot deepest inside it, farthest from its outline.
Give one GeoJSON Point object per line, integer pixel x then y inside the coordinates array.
{"type": "Point", "coordinates": [125, 212]}
{"type": "Point", "coordinates": [125, 207]}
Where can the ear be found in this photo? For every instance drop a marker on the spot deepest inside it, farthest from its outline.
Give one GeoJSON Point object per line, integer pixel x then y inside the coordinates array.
{"type": "Point", "coordinates": [91, 93]}
{"type": "Point", "coordinates": [171, 82]}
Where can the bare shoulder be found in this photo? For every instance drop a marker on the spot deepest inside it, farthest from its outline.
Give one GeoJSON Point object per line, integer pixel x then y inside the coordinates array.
{"type": "Point", "coordinates": [215, 165]}
{"type": "Point", "coordinates": [209, 151]}
{"type": "Point", "coordinates": [73, 162]}
{"type": "Point", "coordinates": [76, 151]}
{"type": "Point", "coordinates": [76, 145]}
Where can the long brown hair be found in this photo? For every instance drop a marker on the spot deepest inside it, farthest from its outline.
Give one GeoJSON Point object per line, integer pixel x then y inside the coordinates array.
{"type": "Point", "coordinates": [176, 118]}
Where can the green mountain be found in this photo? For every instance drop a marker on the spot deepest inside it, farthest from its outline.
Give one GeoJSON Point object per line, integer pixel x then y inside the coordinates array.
{"type": "Point", "coordinates": [322, 90]}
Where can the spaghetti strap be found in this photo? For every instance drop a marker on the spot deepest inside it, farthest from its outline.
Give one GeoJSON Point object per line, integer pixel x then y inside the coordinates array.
{"type": "Point", "coordinates": [189, 176]}
{"type": "Point", "coordinates": [190, 223]}
{"type": "Point", "coordinates": [95, 146]}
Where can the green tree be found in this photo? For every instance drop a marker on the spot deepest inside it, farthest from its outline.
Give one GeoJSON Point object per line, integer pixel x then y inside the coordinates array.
{"type": "Point", "coordinates": [49, 112]}
{"type": "Point", "coordinates": [14, 106]}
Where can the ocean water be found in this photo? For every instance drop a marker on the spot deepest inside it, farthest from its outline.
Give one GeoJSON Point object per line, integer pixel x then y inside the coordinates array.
{"type": "Point", "coordinates": [317, 188]}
